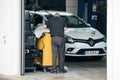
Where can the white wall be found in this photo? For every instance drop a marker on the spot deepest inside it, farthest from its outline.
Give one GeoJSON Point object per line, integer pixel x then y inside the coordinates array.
{"type": "Point", "coordinates": [115, 38]}
{"type": "Point", "coordinates": [10, 31]}
{"type": "Point", "coordinates": [113, 41]}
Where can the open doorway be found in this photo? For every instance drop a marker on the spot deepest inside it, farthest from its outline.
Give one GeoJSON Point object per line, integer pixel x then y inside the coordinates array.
{"type": "Point", "coordinates": [32, 19]}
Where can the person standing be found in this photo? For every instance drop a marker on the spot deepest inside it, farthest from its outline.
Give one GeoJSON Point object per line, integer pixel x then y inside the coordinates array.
{"type": "Point", "coordinates": [57, 26]}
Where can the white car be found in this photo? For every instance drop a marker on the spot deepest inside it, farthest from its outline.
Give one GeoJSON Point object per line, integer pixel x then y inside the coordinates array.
{"type": "Point", "coordinates": [81, 38]}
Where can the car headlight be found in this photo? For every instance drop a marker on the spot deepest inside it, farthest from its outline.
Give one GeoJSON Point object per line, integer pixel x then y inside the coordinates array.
{"type": "Point", "coordinates": [69, 39]}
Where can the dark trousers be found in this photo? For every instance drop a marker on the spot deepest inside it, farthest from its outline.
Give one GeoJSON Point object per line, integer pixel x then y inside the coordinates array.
{"type": "Point", "coordinates": [58, 49]}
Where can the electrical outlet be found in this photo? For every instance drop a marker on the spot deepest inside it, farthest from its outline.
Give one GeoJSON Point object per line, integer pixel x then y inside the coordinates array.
{"type": "Point", "coordinates": [4, 39]}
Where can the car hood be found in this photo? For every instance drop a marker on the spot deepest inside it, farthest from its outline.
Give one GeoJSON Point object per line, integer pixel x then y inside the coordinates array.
{"type": "Point", "coordinates": [83, 33]}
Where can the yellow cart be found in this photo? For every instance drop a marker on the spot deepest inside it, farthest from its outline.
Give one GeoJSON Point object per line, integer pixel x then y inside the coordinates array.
{"type": "Point", "coordinates": [44, 44]}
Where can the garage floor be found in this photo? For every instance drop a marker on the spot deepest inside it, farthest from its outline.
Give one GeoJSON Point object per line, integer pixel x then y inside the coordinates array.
{"type": "Point", "coordinates": [79, 69]}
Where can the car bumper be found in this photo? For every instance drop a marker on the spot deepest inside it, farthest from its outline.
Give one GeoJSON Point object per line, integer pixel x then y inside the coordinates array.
{"type": "Point", "coordinates": [80, 49]}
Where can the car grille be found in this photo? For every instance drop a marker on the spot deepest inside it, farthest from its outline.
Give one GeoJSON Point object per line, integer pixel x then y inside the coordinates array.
{"type": "Point", "coordinates": [82, 51]}
{"type": "Point", "coordinates": [90, 41]}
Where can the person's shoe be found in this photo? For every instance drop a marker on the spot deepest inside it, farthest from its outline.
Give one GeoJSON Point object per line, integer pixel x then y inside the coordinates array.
{"type": "Point", "coordinates": [53, 71]}
{"type": "Point", "coordinates": [63, 71]}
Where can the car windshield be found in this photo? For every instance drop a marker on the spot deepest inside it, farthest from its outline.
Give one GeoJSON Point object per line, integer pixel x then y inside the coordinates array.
{"type": "Point", "coordinates": [74, 22]}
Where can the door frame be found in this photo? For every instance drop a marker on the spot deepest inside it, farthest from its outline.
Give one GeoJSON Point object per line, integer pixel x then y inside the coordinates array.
{"type": "Point", "coordinates": [22, 67]}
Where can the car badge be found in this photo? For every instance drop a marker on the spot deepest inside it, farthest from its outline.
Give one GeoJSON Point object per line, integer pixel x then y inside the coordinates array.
{"type": "Point", "coordinates": [91, 42]}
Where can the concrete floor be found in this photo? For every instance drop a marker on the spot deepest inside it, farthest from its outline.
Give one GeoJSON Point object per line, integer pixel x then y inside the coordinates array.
{"type": "Point", "coordinates": [78, 70]}
{"type": "Point", "coordinates": [14, 77]}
